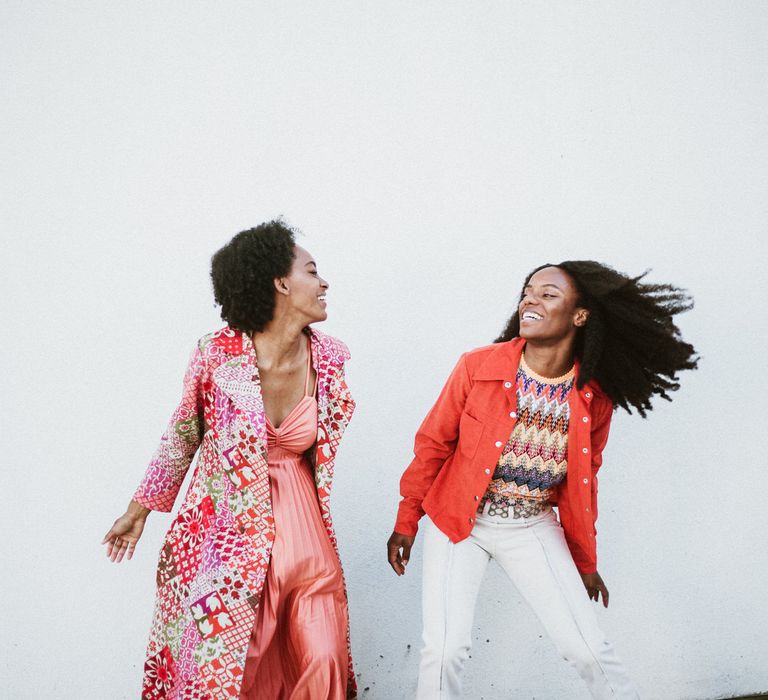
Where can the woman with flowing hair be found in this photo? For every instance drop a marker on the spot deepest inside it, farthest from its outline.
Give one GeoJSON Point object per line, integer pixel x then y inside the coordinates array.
{"type": "Point", "coordinates": [250, 593]}
{"type": "Point", "coordinates": [518, 428]}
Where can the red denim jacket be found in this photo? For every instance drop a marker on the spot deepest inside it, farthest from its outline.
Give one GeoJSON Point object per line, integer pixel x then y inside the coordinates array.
{"type": "Point", "coordinates": [461, 439]}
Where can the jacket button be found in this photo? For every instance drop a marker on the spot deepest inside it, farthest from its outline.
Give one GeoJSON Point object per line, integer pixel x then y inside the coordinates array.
{"type": "Point", "coordinates": [586, 481]}
{"type": "Point", "coordinates": [507, 385]}
{"type": "Point", "coordinates": [513, 415]}
{"type": "Point", "coordinates": [588, 395]}
{"type": "Point", "coordinates": [584, 450]}
{"type": "Point", "coordinates": [471, 519]}
{"type": "Point", "coordinates": [587, 510]}
{"type": "Point", "coordinates": [477, 498]}
{"type": "Point", "coordinates": [498, 443]}
{"type": "Point", "coordinates": [487, 471]}
{"type": "Point", "coordinates": [585, 419]}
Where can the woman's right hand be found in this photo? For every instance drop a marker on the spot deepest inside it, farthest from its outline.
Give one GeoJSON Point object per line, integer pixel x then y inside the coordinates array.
{"type": "Point", "coordinates": [395, 544]}
{"type": "Point", "coordinates": [123, 536]}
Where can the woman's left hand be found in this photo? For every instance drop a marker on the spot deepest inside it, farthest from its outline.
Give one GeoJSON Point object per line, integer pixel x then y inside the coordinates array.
{"type": "Point", "coordinates": [125, 533]}
{"type": "Point", "coordinates": [595, 586]}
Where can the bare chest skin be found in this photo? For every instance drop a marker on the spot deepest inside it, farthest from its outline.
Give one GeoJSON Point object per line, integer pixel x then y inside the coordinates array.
{"type": "Point", "coordinates": [283, 387]}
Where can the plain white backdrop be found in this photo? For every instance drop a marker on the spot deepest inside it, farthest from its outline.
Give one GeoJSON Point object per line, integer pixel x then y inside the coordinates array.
{"type": "Point", "coordinates": [432, 153]}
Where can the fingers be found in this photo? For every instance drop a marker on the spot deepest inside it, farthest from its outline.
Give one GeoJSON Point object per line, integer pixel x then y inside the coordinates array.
{"type": "Point", "coordinates": [406, 552]}
{"type": "Point", "coordinates": [111, 548]}
{"type": "Point", "coordinates": [595, 587]}
{"type": "Point", "coordinates": [397, 543]}
{"type": "Point", "coordinates": [604, 592]}
{"type": "Point", "coordinates": [394, 558]}
{"type": "Point", "coordinates": [114, 532]}
{"type": "Point", "coordinates": [118, 548]}
{"type": "Point", "coordinates": [596, 590]}
{"type": "Point", "coordinates": [593, 591]}
{"type": "Point", "coordinates": [122, 547]}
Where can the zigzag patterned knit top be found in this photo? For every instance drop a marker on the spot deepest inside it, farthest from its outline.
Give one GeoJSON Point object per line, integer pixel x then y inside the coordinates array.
{"type": "Point", "coordinates": [535, 459]}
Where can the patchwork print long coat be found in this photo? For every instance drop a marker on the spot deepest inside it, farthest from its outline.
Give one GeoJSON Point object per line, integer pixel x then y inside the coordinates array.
{"type": "Point", "coordinates": [214, 559]}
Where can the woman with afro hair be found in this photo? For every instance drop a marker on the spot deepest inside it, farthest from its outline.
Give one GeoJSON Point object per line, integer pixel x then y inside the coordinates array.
{"type": "Point", "coordinates": [520, 427]}
{"type": "Point", "coordinates": [250, 594]}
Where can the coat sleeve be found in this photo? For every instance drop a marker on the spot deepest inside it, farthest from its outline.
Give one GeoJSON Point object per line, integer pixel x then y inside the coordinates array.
{"type": "Point", "coordinates": [435, 441]}
{"type": "Point", "coordinates": [165, 473]}
{"type": "Point", "coordinates": [585, 557]}
{"type": "Point", "coordinates": [601, 425]}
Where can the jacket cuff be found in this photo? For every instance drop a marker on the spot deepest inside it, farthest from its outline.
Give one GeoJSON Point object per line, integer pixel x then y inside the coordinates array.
{"type": "Point", "coordinates": [409, 513]}
{"type": "Point", "coordinates": [591, 569]}
{"type": "Point", "coordinates": [584, 564]}
{"type": "Point", "coordinates": [158, 503]}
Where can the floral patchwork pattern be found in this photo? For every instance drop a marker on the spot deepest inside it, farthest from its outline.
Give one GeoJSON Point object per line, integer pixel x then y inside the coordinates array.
{"type": "Point", "coordinates": [166, 566]}
{"type": "Point", "coordinates": [158, 675]}
{"type": "Point", "coordinates": [240, 501]}
{"type": "Point", "coordinates": [222, 677]}
{"type": "Point", "coordinates": [193, 523]}
{"type": "Point", "coordinates": [254, 521]}
{"type": "Point", "coordinates": [236, 636]}
{"type": "Point", "coordinates": [173, 631]}
{"type": "Point", "coordinates": [210, 615]}
{"type": "Point", "coordinates": [239, 470]}
{"type": "Point", "coordinates": [232, 588]}
{"type": "Point", "coordinates": [216, 488]}
{"type": "Point", "coordinates": [188, 429]}
{"type": "Point", "coordinates": [209, 649]}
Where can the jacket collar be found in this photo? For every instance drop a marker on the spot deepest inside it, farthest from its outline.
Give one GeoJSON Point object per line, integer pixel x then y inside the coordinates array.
{"type": "Point", "coordinates": [503, 360]}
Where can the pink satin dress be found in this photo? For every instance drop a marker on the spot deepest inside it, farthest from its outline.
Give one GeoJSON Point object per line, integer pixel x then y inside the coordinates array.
{"type": "Point", "coordinates": [298, 648]}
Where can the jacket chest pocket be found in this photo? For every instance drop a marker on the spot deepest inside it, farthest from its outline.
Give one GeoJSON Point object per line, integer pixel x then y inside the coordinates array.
{"type": "Point", "coordinates": [470, 433]}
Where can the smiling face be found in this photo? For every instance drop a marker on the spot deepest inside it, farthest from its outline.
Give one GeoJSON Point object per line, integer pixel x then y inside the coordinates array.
{"type": "Point", "coordinates": [549, 309]}
{"type": "Point", "coordinates": [303, 290]}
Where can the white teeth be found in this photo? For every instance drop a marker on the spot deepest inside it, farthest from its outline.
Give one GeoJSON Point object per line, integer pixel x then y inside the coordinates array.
{"type": "Point", "coordinates": [532, 316]}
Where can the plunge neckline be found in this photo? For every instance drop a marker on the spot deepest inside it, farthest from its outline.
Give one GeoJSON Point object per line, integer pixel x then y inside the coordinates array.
{"type": "Point", "coordinates": [303, 399]}
{"type": "Point", "coordinates": [287, 419]}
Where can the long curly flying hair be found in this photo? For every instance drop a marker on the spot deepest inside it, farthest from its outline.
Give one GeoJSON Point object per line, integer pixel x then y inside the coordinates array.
{"type": "Point", "coordinates": [630, 343]}
{"type": "Point", "coordinates": [244, 270]}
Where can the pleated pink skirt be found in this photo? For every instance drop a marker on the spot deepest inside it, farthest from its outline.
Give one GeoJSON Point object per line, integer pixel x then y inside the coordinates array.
{"type": "Point", "coordinates": [298, 649]}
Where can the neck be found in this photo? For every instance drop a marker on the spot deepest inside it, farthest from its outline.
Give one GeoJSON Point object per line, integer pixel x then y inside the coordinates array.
{"type": "Point", "coordinates": [549, 360]}
{"type": "Point", "coordinates": [280, 343]}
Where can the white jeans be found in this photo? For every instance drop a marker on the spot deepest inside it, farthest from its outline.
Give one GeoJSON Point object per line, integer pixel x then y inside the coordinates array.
{"type": "Point", "coordinates": [533, 553]}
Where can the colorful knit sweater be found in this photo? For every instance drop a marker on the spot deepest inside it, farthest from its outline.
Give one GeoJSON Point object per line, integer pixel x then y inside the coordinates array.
{"type": "Point", "coordinates": [535, 458]}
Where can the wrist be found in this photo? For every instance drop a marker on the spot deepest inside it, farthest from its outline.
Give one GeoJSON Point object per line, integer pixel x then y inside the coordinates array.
{"type": "Point", "coordinates": [136, 511]}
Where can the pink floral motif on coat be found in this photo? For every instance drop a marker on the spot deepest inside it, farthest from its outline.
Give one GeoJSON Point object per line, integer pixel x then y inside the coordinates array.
{"type": "Point", "coordinates": [215, 556]}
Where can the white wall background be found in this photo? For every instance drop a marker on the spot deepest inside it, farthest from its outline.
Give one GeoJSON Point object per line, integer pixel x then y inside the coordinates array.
{"type": "Point", "coordinates": [433, 153]}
